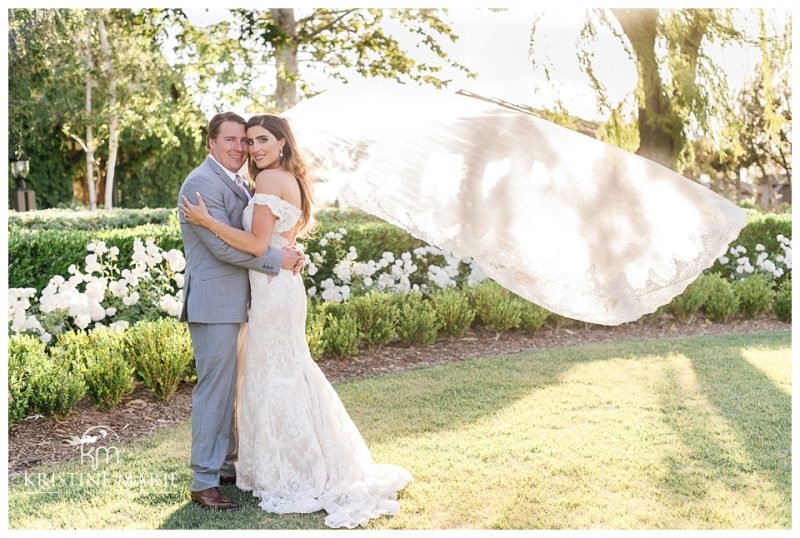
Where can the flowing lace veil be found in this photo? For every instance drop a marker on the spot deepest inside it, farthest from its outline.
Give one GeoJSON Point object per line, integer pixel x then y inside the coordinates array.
{"type": "Point", "coordinates": [580, 227]}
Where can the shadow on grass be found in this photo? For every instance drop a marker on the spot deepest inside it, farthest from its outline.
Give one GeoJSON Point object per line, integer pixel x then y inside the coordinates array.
{"type": "Point", "coordinates": [249, 516]}
{"type": "Point", "coordinates": [456, 395]}
{"type": "Point", "coordinates": [760, 412]}
{"type": "Point", "coordinates": [754, 409]}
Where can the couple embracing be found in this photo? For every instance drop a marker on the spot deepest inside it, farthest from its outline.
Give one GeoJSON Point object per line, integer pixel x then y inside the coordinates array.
{"type": "Point", "coordinates": [284, 435]}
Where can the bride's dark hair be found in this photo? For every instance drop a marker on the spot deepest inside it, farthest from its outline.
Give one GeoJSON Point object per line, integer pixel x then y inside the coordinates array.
{"type": "Point", "coordinates": [292, 160]}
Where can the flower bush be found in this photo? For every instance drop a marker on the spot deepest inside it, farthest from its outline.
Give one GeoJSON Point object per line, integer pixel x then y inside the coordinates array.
{"type": "Point", "coordinates": [741, 264]}
{"type": "Point", "coordinates": [101, 294]}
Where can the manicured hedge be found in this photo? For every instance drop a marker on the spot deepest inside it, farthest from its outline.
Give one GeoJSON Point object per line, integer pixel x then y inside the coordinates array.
{"type": "Point", "coordinates": [34, 256]}
{"type": "Point", "coordinates": [66, 219]}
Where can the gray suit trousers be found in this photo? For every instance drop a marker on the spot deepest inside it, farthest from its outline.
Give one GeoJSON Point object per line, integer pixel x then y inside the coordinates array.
{"type": "Point", "coordinates": [213, 426]}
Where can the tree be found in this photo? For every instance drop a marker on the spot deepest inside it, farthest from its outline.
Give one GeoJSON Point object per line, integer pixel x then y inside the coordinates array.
{"type": "Point", "coordinates": [680, 89]}
{"type": "Point", "coordinates": [102, 73]}
{"type": "Point", "coordinates": [334, 40]}
{"type": "Point", "coordinates": [762, 119]}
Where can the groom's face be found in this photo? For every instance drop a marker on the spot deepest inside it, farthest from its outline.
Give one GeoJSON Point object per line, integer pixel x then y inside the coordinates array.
{"type": "Point", "coordinates": [229, 148]}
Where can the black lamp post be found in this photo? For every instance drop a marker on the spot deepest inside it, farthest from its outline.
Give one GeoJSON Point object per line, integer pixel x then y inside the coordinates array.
{"type": "Point", "coordinates": [25, 199]}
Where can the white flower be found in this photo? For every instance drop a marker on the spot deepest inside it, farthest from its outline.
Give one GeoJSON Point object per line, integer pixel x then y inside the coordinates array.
{"type": "Point", "coordinates": [120, 325]}
{"type": "Point", "coordinates": [327, 284]}
{"type": "Point", "coordinates": [367, 281]}
{"type": "Point", "coordinates": [342, 231]}
{"type": "Point", "coordinates": [170, 305]}
{"type": "Point", "coordinates": [723, 259]}
{"type": "Point", "coordinates": [110, 311]}
{"type": "Point", "coordinates": [82, 321]}
{"type": "Point", "coordinates": [759, 247]}
{"type": "Point", "coordinates": [323, 242]}
{"type": "Point", "coordinates": [114, 252]}
{"type": "Point", "coordinates": [312, 269]}
{"type": "Point", "coordinates": [175, 260]}
{"type": "Point", "coordinates": [342, 270]}
{"type": "Point", "coordinates": [118, 288]}
{"type": "Point", "coordinates": [46, 337]}
{"type": "Point", "coordinates": [312, 291]}
{"type": "Point", "coordinates": [131, 299]}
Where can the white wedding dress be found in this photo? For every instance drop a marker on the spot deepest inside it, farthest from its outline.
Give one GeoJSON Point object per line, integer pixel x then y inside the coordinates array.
{"type": "Point", "coordinates": [299, 451]}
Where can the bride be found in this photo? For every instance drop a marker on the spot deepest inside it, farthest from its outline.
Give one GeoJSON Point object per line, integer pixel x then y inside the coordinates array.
{"type": "Point", "coordinates": [299, 451]}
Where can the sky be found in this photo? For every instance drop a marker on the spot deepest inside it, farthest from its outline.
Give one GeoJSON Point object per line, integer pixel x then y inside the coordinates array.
{"type": "Point", "coordinates": [495, 46]}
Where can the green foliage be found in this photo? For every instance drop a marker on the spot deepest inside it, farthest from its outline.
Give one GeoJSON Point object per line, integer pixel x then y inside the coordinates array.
{"type": "Point", "coordinates": [453, 312]}
{"type": "Point", "coordinates": [686, 305]}
{"type": "Point", "coordinates": [34, 256]}
{"type": "Point", "coordinates": [531, 316]}
{"type": "Point", "coordinates": [495, 306]}
{"type": "Point", "coordinates": [376, 314]}
{"type": "Point", "coordinates": [341, 333]}
{"type": "Point", "coordinates": [160, 351]}
{"type": "Point", "coordinates": [57, 384]}
{"type": "Point", "coordinates": [315, 328]}
{"type": "Point", "coordinates": [783, 301]}
{"type": "Point", "coordinates": [343, 41]}
{"type": "Point", "coordinates": [65, 219]}
{"type": "Point", "coordinates": [26, 354]}
{"type": "Point", "coordinates": [755, 294]}
{"type": "Point", "coordinates": [417, 323]}
{"type": "Point", "coordinates": [721, 300]}
{"type": "Point", "coordinates": [101, 355]}
{"type": "Point", "coordinates": [161, 126]}
{"type": "Point", "coordinates": [109, 377]}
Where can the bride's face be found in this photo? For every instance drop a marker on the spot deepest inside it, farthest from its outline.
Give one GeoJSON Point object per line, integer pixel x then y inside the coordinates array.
{"type": "Point", "coordinates": [264, 148]}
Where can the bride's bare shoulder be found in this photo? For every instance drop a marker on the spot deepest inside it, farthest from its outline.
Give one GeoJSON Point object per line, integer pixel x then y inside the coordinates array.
{"type": "Point", "coordinates": [277, 182]}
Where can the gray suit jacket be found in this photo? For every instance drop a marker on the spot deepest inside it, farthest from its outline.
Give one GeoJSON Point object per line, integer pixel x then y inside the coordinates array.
{"type": "Point", "coordinates": [216, 285]}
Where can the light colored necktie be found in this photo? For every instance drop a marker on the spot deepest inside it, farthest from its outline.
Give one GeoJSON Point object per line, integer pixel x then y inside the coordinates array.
{"type": "Point", "coordinates": [240, 182]}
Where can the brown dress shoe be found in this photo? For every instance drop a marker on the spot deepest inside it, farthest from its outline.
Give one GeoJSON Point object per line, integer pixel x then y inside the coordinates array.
{"type": "Point", "coordinates": [227, 480]}
{"type": "Point", "coordinates": [213, 498]}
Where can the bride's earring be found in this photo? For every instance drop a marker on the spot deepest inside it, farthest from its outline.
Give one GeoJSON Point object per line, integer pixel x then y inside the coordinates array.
{"type": "Point", "coordinates": [280, 153]}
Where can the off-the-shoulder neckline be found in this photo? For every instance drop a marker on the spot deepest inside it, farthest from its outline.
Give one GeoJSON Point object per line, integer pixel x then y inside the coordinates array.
{"type": "Point", "coordinates": [290, 204]}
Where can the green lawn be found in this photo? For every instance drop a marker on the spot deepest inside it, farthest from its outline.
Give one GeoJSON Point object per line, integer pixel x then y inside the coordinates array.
{"type": "Point", "coordinates": [668, 433]}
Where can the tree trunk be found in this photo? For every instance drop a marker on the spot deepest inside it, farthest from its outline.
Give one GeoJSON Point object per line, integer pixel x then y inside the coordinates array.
{"type": "Point", "coordinates": [657, 120]}
{"type": "Point", "coordinates": [89, 133]}
{"type": "Point", "coordinates": [286, 58]}
{"type": "Point", "coordinates": [113, 119]}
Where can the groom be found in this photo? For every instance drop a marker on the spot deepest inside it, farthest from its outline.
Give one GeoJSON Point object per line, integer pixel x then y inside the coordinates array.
{"type": "Point", "coordinates": [216, 293]}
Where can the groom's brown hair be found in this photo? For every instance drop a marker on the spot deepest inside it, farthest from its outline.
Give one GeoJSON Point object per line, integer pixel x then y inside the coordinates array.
{"type": "Point", "coordinates": [216, 123]}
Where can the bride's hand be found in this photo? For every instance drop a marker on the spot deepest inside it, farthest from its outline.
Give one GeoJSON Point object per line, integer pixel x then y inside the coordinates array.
{"type": "Point", "coordinates": [197, 214]}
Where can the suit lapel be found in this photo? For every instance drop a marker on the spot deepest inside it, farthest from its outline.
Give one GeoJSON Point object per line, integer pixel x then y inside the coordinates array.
{"type": "Point", "coordinates": [227, 180]}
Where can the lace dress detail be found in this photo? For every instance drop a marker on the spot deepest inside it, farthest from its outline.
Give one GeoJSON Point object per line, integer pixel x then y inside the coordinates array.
{"type": "Point", "coordinates": [287, 215]}
{"type": "Point", "coordinates": [299, 451]}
